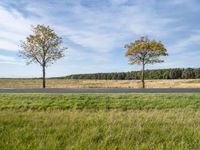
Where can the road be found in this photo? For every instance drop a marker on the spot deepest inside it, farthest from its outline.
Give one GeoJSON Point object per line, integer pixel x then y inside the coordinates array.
{"type": "Point", "coordinates": [102, 90]}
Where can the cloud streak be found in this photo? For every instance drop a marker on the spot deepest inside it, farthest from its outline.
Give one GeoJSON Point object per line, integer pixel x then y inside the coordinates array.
{"type": "Point", "coordinates": [9, 60]}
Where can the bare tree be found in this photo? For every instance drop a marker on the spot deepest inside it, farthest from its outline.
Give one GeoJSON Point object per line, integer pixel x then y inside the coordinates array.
{"type": "Point", "coordinates": [145, 51]}
{"type": "Point", "coordinates": [42, 47]}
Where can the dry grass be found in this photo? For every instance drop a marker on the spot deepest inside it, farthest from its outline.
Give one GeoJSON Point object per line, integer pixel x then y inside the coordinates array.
{"type": "Point", "coordinates": [65, 83]}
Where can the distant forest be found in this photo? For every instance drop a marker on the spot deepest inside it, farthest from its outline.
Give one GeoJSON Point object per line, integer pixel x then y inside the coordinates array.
{"type": "Point", "coordinates": [175, 73]}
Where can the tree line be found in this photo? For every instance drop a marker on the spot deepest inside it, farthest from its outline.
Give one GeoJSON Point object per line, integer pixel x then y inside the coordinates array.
{"type": "Point", "coordinates": [174, 73]}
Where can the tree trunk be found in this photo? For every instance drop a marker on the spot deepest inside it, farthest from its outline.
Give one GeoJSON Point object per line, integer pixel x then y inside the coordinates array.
{"type": "Point", "coordinates": [142, 76]}
{"type": "Point", "coordinates": [43, 77]}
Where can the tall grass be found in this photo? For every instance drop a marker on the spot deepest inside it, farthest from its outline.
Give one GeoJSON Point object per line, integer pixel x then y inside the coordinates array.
{"type": "Point", "coordinates": [100, 121]}
{"type": "Point", "coordinates": [141, 129]}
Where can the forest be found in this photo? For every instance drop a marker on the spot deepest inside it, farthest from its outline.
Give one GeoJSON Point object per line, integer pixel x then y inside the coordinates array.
{"type": "Point", "coordinates": [173, 73]}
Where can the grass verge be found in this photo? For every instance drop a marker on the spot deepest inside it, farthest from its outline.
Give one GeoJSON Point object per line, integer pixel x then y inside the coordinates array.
{"type": "Point", "coordinates": [99, 101]}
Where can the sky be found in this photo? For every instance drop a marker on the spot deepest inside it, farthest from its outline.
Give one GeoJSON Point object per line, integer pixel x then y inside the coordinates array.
{"type": "Point", "coordinates": [95, 32]}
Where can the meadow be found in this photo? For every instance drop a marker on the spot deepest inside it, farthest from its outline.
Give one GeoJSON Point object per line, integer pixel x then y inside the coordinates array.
{"type": "Point", "coordinates": [100, 121]}
{"type": "Point", "coordinates": [78, 83]}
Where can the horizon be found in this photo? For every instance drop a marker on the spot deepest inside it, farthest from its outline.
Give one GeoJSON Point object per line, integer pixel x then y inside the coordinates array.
{"type": "Point", "coordinates": [100, 41]}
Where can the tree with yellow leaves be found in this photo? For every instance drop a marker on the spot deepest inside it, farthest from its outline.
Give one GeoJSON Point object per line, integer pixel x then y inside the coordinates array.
{"type": "Point", "coordinates": [145, 51]}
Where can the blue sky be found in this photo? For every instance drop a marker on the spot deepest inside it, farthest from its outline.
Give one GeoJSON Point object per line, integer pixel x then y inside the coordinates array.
{"type": "Point", "coordinates": [95, 32]}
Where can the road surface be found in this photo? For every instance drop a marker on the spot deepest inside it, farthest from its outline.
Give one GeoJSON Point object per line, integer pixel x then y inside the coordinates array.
{"type": "Point", "coordinates": [102, 90]}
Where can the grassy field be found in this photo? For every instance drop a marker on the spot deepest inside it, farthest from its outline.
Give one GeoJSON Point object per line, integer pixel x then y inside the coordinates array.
{"type": "Point", "coordinates": [64, 83]}
{"type": "Point", "coordinates": [99, 101]}
{"type": "Point", "coordinates": [100, 121]}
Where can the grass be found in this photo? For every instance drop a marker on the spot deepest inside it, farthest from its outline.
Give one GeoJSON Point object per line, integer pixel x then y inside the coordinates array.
{"type": "Point", "coordinates": [100, 121]}
{"type": "Point", "coordinates": [100, 130]}
{"type": "Point", "coordinates": [64, 83]}
{"type": "Point", "coordinates": [99, 101]}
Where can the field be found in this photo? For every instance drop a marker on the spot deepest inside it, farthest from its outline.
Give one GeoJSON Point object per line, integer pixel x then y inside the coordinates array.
{"type": "Point", "coordinates": [64, 83]}
{"type": "Point", "coordinates": [100, 121]}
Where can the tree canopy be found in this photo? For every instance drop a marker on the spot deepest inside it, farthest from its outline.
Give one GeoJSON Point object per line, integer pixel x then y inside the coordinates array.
{"type": "Point", "coordinates": [43, 46]}
{"type": "Point", "coordinates": [145, 50]}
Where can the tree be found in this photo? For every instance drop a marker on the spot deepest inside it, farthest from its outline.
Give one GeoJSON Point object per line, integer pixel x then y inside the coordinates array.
{"type": "Point", "coordinates": [145, 51]}
{"type": "Point", "coordinates": [188, 73]}
{"type": "Point", "coordinates": [43, 47]}
{"type": "Point", "coordinates": [176, 73]}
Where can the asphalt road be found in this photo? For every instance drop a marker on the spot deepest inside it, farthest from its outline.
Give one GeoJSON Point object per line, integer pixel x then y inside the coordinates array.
{"type": "Point", "coordinates": [102, 90]}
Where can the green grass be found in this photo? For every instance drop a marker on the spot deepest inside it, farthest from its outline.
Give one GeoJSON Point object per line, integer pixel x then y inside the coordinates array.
{"type": "Point", "coordinates": [99, 101]}
{"type": "Point", "coordinates": [100, 121]}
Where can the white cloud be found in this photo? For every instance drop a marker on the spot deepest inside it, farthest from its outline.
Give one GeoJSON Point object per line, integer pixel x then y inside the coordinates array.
{"type": "Point", "coordinates": [9, 60]}
{"type": "Point", "coordinates": [78, 54]}
{"type": "Point", "coordinates": [14, 27]}
{"type": "Point", "coordinates": [104, 31]}
{"type": "Point", "coordinates": [185, 43]}
{"type": "Point", "coordinates": [100, 31]}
